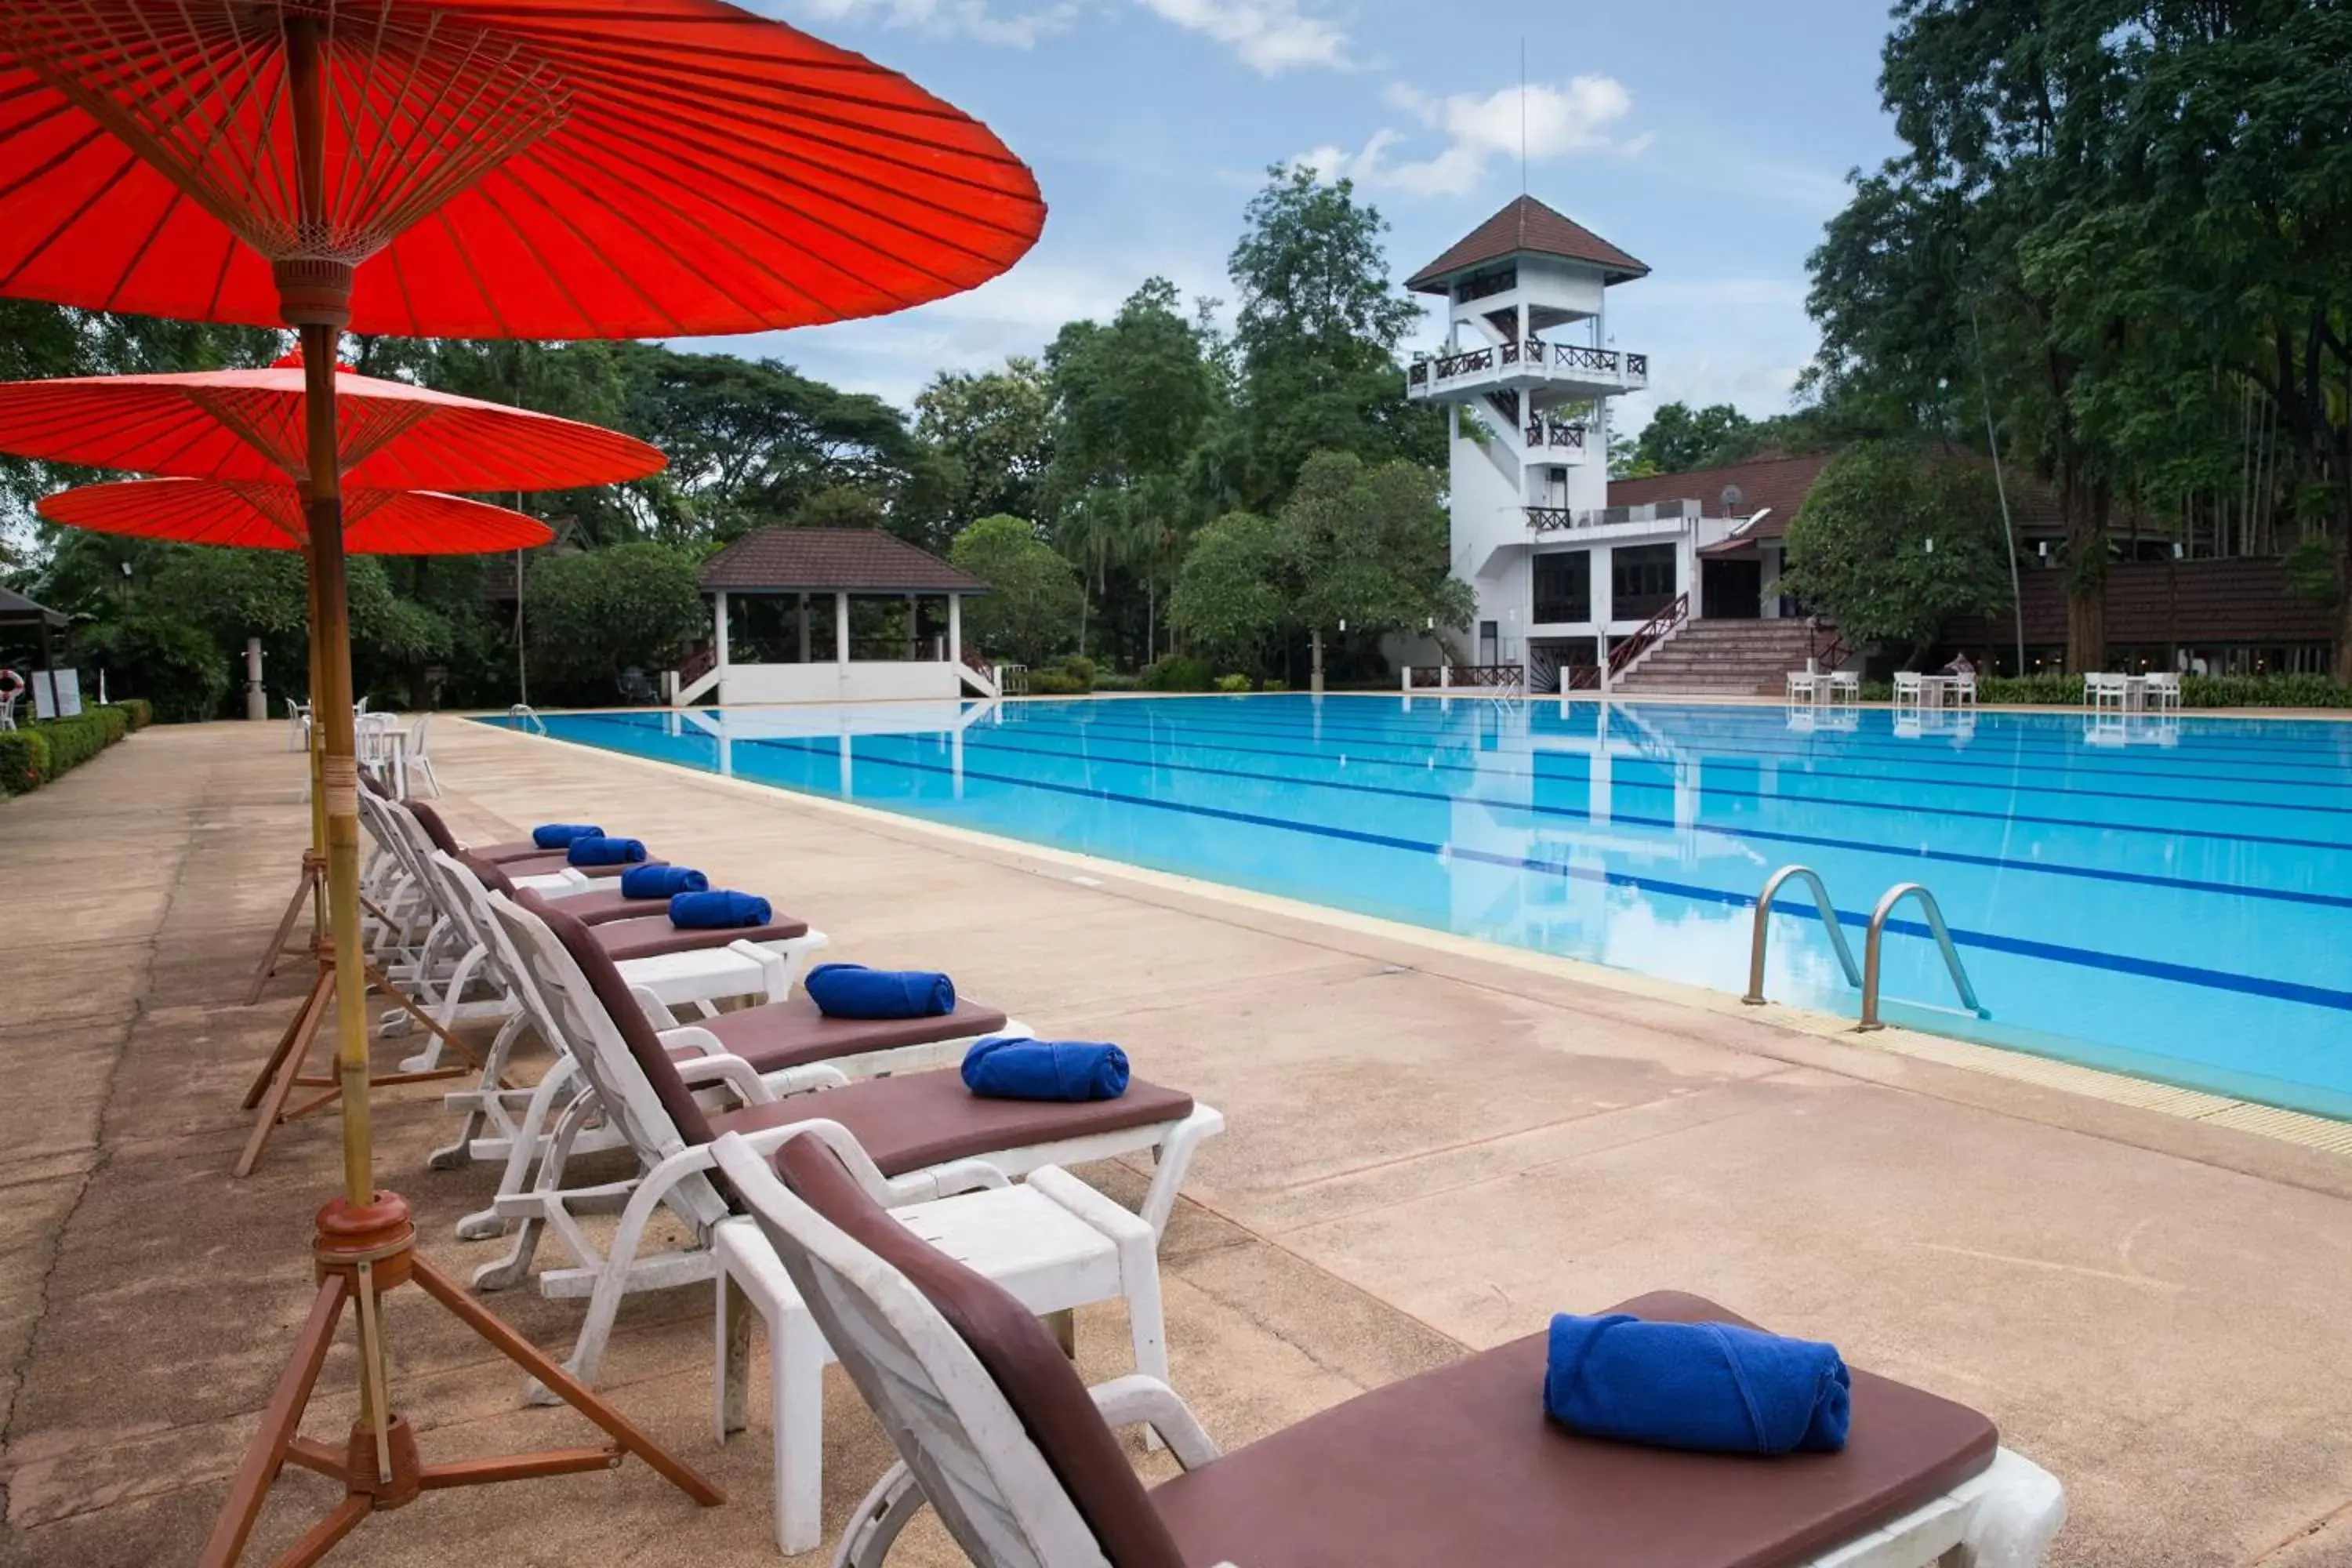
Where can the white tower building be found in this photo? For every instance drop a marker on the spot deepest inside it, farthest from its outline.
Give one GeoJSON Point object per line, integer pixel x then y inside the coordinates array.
{"type": "Point", "coordinates": [1527, 375]}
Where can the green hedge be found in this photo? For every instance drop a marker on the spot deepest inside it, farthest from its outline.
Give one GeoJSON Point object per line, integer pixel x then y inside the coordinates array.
{"type": "Point", "coordinates": [138, 709]}
{"type": "Point", "coordinates": [2196, 691]}
{"type": "Point", "coordinates": [1177, 672]}
{"type": "Point", "coordinates": [32, 756]}
{"type": "Point", "coordinates": [23, 761]}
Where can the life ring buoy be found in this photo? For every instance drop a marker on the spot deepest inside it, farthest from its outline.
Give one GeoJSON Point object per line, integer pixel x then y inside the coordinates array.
{"type": "Point", "coordinates": [12, 686]}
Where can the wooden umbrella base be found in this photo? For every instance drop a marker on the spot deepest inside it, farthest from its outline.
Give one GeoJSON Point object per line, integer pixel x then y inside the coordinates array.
{"type": "Point", "coordinates": [363, 1254]}
{"type": "Point", "coordinates": [271, 1096]}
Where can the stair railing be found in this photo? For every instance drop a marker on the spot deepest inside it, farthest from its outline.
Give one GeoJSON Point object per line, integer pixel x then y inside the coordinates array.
{"type": "Point", "coordinates": [1868, 977]}
{"type": "Point", "coordinates": [1652, 631]}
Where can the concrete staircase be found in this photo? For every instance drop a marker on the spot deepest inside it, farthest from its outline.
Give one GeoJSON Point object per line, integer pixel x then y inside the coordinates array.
{"type": "Point", "coordinates": [1723, 659]}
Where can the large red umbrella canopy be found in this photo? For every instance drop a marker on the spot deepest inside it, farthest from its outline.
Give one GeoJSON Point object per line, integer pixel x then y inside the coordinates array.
{"type": "Point", "coordinates": [265, 516]}
{"type": "Point", "coordinates": [248, 424]}
{"type": "Point", "coordinates": [515, 168]}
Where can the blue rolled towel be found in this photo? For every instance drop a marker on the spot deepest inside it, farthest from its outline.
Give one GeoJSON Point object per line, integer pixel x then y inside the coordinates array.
{"type": "Point", "coordinates": [662, 882]}
{"type": "Point", "coordinates": [602, 851]}
{"type": "Point", "coordinates": [854, 990]}
{"type": "Point", "coordinates": [559, 835]}
{"type": "Point", "coordinates": [1007, 1066]}
{"type": "Point", "coordinates": [1711, 1387]}
{"type": "Point", "coordinates": [716, 911]}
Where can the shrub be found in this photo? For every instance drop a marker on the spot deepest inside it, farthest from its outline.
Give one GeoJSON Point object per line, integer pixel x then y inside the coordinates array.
{"type": "Point", "coordinates": [137, 709]}
{"type": "Point", "coordinates": [113, 719]}
{"type": "Point", "coordinates": [1275, 686]}
{"type": "Point", "coordinates": [1112, 680]}
{"type": "Point", "coordinates": [23, 761]}
{"type": "Point", "coordinates": [1233, 683]}
{"type": "Point", "coordinates": [2263, 691]}
{"type": "Point", "coordinates": [1080, 669]}
{"type": "Point", "coordinates": [1053, 683]}
{"type": "Point", "coordinates": [73, 742]}
{"type": "Point", "coordinates": [2064, 690]}
{"type": "Point", "coordinates": [1177, 672]}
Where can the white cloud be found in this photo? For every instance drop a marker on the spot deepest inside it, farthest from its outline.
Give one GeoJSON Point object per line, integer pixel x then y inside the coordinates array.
{"type": "Point", "coordinates": [976, 19]}
{"type": "Point", "coordinates": [1270, 35]}
{"type": "Point", "coordinates": [1551, 123]}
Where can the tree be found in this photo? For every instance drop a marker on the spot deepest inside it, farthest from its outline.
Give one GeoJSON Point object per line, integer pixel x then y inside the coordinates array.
{"type": "Point", "coordinates": [1896, 541]}
{"type": "Point", "coordinates": [599, 612]}
{"type": "Point", "coordinates": [1366, 548]}
{"type": "Point", "coordinates": [1230, 599]}
{"type": "Point", "coordinates": [162, 658]}
{"type": "Point", "coordinates": [992, 433]}
{"type": "Point", "coordinates": [1033, 597]}
{"type": "Point", "coordinates": [1679, 439]}
{"type": "Point", "coordinates": [1131, 402]}
{"type": "Point", "coordinates": [1315, 341]}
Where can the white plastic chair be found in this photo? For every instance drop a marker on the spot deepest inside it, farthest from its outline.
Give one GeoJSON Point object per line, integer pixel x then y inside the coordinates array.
{"type": "Point", "coordinates": [2164, 693]}
{"type": "Point", "coordinates": [420, 762]}
{"type": "Point", "coordinates": [1804, 686]}
{"type": "Point", "coordinates": [1910, 689]}
{"type": "Point", "coordinates": [2103, 689]}
{"type": "Point", "coordinates": [1846, 687]}
{"type": "Point", "coordinates": [1962, 692]}
{"type": "Point", "coordinates": [298, 725]}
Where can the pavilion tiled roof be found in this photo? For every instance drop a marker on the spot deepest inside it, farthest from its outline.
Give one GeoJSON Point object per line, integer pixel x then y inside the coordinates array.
{"type": "Point", "coordinates": [1526, 227]}
{"type": "Point", "coordinates": [1781, 483]}
{"type": "Point", "coordinates": [831, 560]}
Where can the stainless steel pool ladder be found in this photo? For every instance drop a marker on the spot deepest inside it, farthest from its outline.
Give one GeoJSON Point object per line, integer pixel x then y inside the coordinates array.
{"type": "Point", "coordinates": [1867, 978]}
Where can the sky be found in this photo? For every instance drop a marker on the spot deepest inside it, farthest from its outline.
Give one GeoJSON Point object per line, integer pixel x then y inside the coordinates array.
{"type": "Point", "coordinates": [1710, 138]}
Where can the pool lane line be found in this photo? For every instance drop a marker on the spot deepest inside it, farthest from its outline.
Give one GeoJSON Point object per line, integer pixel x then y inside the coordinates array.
{"type": "Point", "coordinates": [1756, 834]}
{"type": "Point", "coordinates": [2077, 761]}
{"type": "Point", "coordinates": [2084, 958]}
{"type": "Point", "coordinates": [2000, 725]}
{"type": "Point", "coordinates": [1745, 762]}
{"type": "Point", "coordinates": [1707, 788]}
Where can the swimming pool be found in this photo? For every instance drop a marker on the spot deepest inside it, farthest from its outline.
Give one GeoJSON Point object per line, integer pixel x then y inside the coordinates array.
{"type": "Point", "coordinates": [2166, 897]}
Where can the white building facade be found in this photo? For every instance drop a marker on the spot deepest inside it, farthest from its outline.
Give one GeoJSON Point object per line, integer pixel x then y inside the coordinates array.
{"type": "Point", "coordinates": [1527, 375]}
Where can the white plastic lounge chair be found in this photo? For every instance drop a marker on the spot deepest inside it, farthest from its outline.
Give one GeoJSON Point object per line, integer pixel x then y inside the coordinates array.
{"type": "Point", "coordinates": [914, 1126]}
{"type": "Point", "coordinates": [1017, 1457]}
{"type": "Point", "coordinates": [517, 1120]}
{"type": "Point", "coordinates": [1053, 1242]}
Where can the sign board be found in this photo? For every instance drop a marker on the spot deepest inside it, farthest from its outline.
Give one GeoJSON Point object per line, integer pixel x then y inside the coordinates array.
{"type": "Point", "coordinates": [57, 693]}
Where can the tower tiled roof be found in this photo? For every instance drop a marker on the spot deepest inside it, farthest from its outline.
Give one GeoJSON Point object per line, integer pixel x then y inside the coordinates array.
{"type": "Point", "coordinates": [1526, 227]}
{"type": "Point", "coordinates": [858, 558]}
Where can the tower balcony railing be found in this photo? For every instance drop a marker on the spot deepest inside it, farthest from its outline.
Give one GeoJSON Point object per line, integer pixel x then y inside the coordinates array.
{"type": "Point", "coordinates": [1555, 433]}
{"type": "Point", "coordinates": [1556, 519]}
{"type": "Point", "coordinates": [1532, 362]}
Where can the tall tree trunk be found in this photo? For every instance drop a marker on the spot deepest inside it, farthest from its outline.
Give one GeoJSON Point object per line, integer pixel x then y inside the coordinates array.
{"type": "Point", "coordinates": [2344, 601]}
{"type": "Point", "coordinates": [2086, 570]}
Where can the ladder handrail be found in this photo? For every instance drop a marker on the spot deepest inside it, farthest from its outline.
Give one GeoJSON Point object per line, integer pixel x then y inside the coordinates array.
{"type": "Point", "coordinates": [1755, 997]}
{"type": "Point", "coordinates": [1934, 913]}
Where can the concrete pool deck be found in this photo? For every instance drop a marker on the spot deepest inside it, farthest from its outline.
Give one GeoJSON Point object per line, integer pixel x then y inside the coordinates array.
{"type": "Point", "coordinates": [1429, 1148]}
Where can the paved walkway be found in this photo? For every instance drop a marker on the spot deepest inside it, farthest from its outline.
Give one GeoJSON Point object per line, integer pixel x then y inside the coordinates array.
{"type": "Point", "coordinates": [1427, 1151]}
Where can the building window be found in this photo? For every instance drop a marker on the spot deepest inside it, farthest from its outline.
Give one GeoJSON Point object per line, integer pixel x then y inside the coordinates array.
{"type": "Point", "coordinates": [1486, 284]}
{"type": "Point", "coordinates": [1564, 586]}
{"type": "Point", "coordinates": [1490, 637]}
{"type": "Point", "coordinates": [1641, 581]}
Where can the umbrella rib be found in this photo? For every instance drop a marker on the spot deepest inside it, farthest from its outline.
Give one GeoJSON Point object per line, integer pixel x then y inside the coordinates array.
{"type": "Point", "coordinates": [121, 171]}
{"type": "Point", "coordinates": [560, 216]}
{"type": "Point", "coordinates": [122, 278]}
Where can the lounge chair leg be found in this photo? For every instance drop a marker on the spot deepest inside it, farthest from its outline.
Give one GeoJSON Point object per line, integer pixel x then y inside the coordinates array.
{"type": "Point", "coordinates": [731, 1388]}
{"type": "Point", "coordinates": [612, 1284]}
{"type": "Point", "coordinates": [524, 1152]}
{"type": "Point", "coordinates": [796, 1414]}
{"type": "Point", "coordinates": [1064, 1326]}
{"type": "Point", "coordinates": [874, 1525]}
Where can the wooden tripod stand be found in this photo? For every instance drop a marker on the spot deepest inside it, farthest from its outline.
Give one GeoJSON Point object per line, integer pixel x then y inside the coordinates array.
{"type": "Point", "coordinates": [310, 889]}
{"type": "Point", "coordinates": [363, 1254]}
{"type": "Point", "coordinates": [286, 1070]}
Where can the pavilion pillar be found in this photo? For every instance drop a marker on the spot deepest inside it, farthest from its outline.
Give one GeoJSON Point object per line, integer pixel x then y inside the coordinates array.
{"type": "Point", "coordinates": [718, 621]}
{"type": "Point", "coordinates": [955, 628]}
{"type": "Point", "coordinates": [802, 615]}
{"type": "Point", "coordinates": [914, 629]}
{"type": "Point", "coordinates": [841, 627]}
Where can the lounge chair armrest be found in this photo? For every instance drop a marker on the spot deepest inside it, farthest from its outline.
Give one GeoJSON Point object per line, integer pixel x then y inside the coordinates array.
{"type": "Point", "coordinates": [733, 1072]}
{"type": "Point", "coordinates": [689, 1040]}
{"type": "Point", "coordinates": [807, 1080]}
{"type": "Point", "coordinates": [1099, 1212]}
{"type": "Point", "coordinates": [657, 1011]}
{"type": "Point", "coordinates": [944, 1180]}
{"type": "Point", "coordinates": [1139, 1401]}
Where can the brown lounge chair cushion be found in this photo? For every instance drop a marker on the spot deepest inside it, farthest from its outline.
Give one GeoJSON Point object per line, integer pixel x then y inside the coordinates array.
{"type": "Point", "coordinates": [793, 1032]}
{"type": "Point", "coordinates": [1460, 1465]}
{"type": "Point", "coordinates": [602, 906]}
{"type": "Point", "coordinates": [905, 1124]}
{"type": "Point", "coordinates": [921, 1119]}
{"type": "Point", "coordinates": [522, 858]}
{"type": "Point", "coordinates": [650, 936]}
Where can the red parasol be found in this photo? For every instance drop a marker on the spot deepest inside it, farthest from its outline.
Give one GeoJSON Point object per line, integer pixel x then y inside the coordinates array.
{"type": "Point", "coordinates": [515, 168]}
{"type": "Point", "coordinates": [270, 517]}
{"type": "Point", "coordinates": [248, 424]}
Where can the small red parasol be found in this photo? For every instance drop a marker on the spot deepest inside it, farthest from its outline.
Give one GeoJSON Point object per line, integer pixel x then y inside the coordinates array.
{"type": "Point", "coordinates": [261, 516]}
{"type": "Point", "coordinates": [250, 425]}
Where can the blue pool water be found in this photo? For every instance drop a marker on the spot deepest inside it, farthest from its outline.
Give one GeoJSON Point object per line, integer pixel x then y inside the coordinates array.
{"type": "Point", "coordinates": [2171, 898]}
